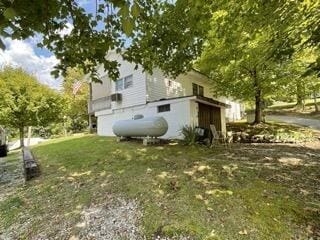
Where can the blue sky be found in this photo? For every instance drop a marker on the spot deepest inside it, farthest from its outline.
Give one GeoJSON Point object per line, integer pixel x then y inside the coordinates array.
{"type": "Point", "coordinates": [37, 61]}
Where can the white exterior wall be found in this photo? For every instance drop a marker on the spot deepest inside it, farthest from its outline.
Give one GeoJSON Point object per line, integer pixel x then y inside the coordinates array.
{"type": "Point", "coordinates": [147, 88]}
{"type": "Point", "coordinates": [223, 121]}
{"type": "Point", "coordinates": [178, 116]}
{"type": "Point", "coordinates": [158, 85]}
{"type": "Point", "coordinates": [133, 96]}
{"type": "Point", "coordinates": [233, 113]}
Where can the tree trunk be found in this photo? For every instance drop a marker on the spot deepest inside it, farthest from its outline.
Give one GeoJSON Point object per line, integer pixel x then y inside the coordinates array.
{"type": "Point", "coordinates": [29, 135]}
{"type": "Point", "coordinates": [300, 96]}
{"type": "Point", "coordinates": [258, 109]}
{"type": "Point", "coordinates": [258, 99]}
{"type": "Point", "coordinates": [315, 101]}
{"type": "Point", "coordinates": [21, 133]}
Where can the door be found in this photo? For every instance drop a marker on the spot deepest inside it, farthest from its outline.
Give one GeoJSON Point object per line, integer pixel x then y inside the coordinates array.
{"type": "Point", "coordinates": [209, 115]}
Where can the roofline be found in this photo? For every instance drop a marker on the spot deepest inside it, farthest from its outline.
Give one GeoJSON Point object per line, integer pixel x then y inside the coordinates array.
{"type": "Point", "coordinates": [199, 72]}
{"type": "Point", "coordinates": [199, 98]}
{"type": "Point", "coordinates": [168, 99]}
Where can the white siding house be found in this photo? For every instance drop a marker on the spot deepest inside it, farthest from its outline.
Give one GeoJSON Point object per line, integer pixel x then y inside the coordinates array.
{"type": "Point", "coordinates": [186, 100]}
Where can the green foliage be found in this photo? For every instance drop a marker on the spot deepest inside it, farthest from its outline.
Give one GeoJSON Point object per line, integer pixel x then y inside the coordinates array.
{"type": "Point", "coordinates": [75, 109]}
{"type": "Point", "coordinates": [26, 102]}
{"type": "Point", "coordinates": [172, 39]}
{"type": "Point", "coordinates": [92, 35]}
{"type": "Point", "coordinates": [165, 34]}
{"type": "Point", "coordinates": [190, 134]}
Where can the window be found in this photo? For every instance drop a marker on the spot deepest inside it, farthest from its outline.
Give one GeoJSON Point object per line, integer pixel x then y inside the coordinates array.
{"type": "Point", "coordinates": [119, 84]}
{"type": "Point", "coordinates": [164, 108]}
{"type": "Point", "coordinates": [200, 91]}
{"type": "Point", "coordinates": [197, 90]}
{"type": "Point", "coordinates": [194, 89]}
{"type": "Point", "coordinates": [128, 82]}
{"type": "Point", "coordinates": [124, 83]}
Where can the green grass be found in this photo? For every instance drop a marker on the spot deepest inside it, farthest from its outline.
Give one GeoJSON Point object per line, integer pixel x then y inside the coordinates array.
{"type": "Point", "coordinates": [183, 190]}
{"type": "Point", "coordinates": [286, 105]}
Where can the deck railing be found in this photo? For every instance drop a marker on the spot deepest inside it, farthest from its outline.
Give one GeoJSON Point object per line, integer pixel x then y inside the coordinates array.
{"type": "Point", "coordinates": [99, 104]}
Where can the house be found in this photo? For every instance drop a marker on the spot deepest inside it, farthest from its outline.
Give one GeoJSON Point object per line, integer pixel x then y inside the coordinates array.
{"type": "Point", "coordinates": [186, 100]}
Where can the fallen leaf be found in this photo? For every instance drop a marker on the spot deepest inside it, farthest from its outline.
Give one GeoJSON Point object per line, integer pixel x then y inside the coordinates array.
{"type": "Point", "coordinates": [243, 232]}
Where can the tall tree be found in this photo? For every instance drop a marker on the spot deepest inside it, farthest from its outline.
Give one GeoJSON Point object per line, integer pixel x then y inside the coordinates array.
{"type": "Point", "coordinates": [76, 93]}
{"type": "Point", "coordinates": [25, 102]}
{"type": "Point", "coordinates": [245, 46]}
{"type": "Point", "coordinates": [300, 80]}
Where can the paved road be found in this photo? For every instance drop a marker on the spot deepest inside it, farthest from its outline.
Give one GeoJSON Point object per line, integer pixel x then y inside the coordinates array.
{"type": "Point", "coordinates": [311, 123]}
{"type": "Point", "coordinates": [33, 141]}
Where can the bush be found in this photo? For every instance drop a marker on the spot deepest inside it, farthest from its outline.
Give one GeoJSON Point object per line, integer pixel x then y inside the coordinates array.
{"type": "Point", "coordinates": [190, 135]}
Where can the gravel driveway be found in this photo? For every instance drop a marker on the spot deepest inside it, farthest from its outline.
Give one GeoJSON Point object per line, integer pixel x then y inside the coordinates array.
{"type": "Point", "coordinates": [311, 123]}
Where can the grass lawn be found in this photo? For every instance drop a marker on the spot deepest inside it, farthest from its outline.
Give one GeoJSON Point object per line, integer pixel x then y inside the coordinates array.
{"type": "Point", "coordinates": [245, 192]}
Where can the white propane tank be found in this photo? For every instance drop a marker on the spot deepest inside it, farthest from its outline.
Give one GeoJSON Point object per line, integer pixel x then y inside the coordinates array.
{"type": "Point", "coordinates": [143, 127]}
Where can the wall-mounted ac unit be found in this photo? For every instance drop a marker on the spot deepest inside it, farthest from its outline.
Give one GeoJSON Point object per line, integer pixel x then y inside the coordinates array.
{"type": "Point", "coordinates": [116, 97]}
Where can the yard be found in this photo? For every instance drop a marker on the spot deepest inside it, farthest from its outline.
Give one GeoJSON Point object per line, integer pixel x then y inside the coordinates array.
{"type": "Point", "coordinates": [94, 188]}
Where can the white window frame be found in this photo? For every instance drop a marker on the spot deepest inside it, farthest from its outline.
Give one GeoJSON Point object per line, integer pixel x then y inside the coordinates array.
{"type": "Point", "coordinates": [125, 81]}
{"type": "Point", "coordinates": [122, 86]}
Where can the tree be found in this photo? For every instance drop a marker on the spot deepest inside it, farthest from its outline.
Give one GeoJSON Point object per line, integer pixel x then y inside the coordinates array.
{"type": "Point", "coordinates": [245, 46]}
{"type": "Point", "coordinates": [75, 108]}
{"type": "Point", "coordinates": [300, 81]}
{"type": "Point", "coordinates": [92, 34]}
{"type": "Point", "coordinates": [173, 37]}
{"type": "Point", "coordinates": [26, 102]}
{"type": "Point", "coordinates": [166, 34]}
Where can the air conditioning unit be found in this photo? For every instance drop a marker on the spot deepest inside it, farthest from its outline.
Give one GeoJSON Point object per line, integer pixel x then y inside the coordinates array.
{"type": "Point", "coordinates": [116, 97]}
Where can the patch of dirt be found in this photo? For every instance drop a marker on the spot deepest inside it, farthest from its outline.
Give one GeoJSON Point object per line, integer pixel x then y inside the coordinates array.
{"type": "Point", "coordinates": [115, 220]}
{"type": "Point", "coordinates": [290, 161]}
{"type": "Point", "coordinates": [119, 219]}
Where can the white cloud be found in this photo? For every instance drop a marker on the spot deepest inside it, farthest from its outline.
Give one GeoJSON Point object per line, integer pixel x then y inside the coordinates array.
{"type": "Point", "coordinates": [66, 30]}
{"type": "Point", "coordinates": [21, 54]}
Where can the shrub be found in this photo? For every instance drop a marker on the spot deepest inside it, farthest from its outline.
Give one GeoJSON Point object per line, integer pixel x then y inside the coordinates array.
{"type": "Point", "coordinates": [190, 135]}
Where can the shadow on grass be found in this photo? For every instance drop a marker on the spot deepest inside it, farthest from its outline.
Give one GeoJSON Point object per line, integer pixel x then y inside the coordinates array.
{"type": "Point", "coordinates": [258, 191]}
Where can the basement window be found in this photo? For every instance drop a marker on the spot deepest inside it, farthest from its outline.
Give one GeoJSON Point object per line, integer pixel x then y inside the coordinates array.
{"type": "Point", "coordinates": [164, 108]}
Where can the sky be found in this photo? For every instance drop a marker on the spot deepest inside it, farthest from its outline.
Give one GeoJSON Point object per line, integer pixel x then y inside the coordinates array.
{"type": "Point", "coordinates": [36, 61]}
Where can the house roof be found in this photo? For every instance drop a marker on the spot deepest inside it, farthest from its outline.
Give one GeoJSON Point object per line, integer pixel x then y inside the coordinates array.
{"type": "Point", "coordinates": [212, 101]}
{"type": "Point", "coordinates": [199, 99]}
{"type": "Point", "coordinates": [199, 72]}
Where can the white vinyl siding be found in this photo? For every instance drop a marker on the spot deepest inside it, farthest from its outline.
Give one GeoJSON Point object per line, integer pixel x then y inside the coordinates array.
{"type": "Point", "coordinates": [178, 107]}
{"type": "Point", "coordinates": [133, 87]}
{"type": "Point", "coordinates": [159, 86]}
